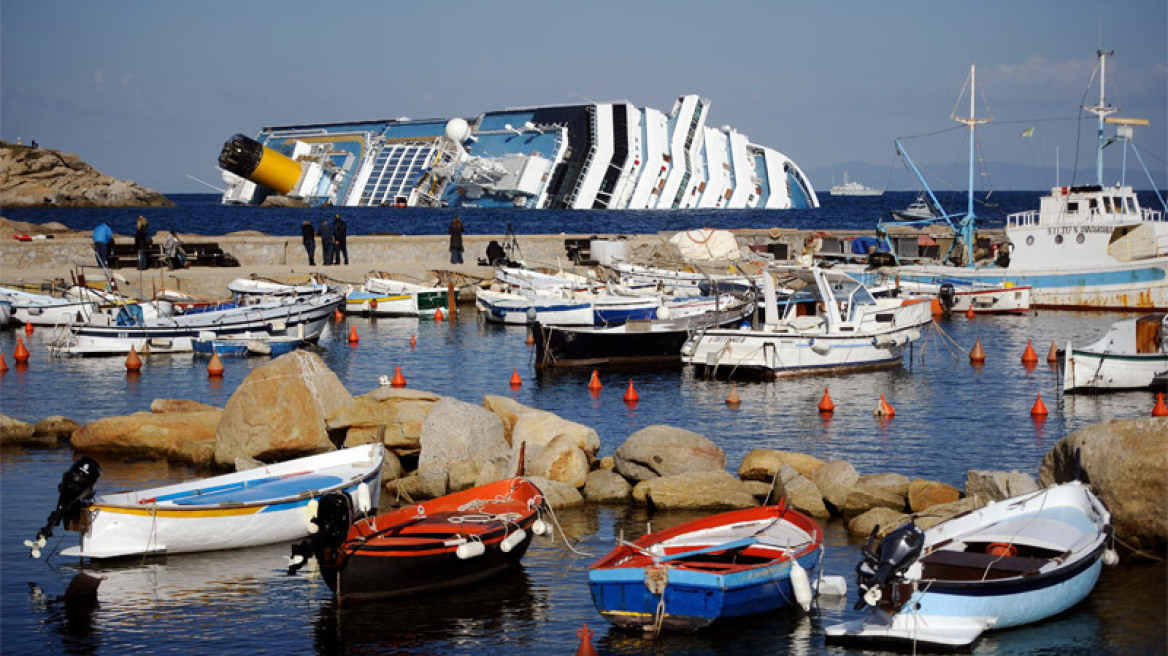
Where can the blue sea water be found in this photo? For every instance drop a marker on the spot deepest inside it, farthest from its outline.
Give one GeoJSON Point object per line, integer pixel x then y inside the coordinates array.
{"type": "Point", "coordinates": [950, 417]}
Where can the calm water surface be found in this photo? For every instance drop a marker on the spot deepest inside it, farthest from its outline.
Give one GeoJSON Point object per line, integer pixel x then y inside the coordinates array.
{"type": "Point", "coordinates": [950, 418]}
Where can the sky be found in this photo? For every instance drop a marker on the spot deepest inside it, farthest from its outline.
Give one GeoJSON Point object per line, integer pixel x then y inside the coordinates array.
{"type": "Point", "coordinates": [149, 91]}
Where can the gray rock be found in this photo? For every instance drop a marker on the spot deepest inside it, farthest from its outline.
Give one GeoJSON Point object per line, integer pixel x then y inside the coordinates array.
{"type": "Point", "coordinates": [924, 494]}
{"type": "Point", "coordinates": [717, 489]}
{"type": "Point", "coordinates": [835, 481]}
{"type": "Point", "coordinates": [15, 431]}
{"type": "Point", "coordinates": [865, 496]}
{"type": "Point", "coordinates": [607, 486]}
{"type": "Point", "coordinates": [802, 494]}
{"type": "Point", "coordinates": [558, 495]}
{"type": "Point", "coordinates": [886, 518]}
{"type": "Point", "coordinates": [562, 460]}
{"type": "Point", "coordinates": [660, 450]}
{"type": "Point", "coordinates": [941, 512]}
{"type": "Point", "coordinates": [987, 486]}
{"type": "Point", "coordinates": [55, 429]}
{"type": "Point", "coordinates": [455, 430]}
{"type": "Point", "coordinates": [761, 464]}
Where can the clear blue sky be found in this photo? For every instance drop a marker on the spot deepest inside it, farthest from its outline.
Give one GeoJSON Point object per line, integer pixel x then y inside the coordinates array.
{"type": "Point", "coordinates": [149, 90]}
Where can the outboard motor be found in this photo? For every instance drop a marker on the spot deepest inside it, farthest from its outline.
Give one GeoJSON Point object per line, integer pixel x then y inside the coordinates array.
{"type": "Point", "coordinates": [948, 295]}
{"type": "Point", "coordinates": [74, 494]}
{"type": "Point", "coordinates": [899, 550]}
{"type": "Point", "coordinates": [334, 516]}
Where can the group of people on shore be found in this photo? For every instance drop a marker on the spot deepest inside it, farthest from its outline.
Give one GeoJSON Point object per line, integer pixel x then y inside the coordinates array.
{"type": "Point", "coordinates": [333, 240]}
{"type": "Point", "coordinates": [173, 253]}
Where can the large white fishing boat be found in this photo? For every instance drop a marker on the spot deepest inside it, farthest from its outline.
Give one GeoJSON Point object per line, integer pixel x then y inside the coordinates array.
{"type": "Point", "coordinates": [601, 155]}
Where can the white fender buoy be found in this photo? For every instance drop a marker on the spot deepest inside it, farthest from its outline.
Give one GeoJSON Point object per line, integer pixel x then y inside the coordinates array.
{"type": "Point", "coordinates": [310, 509]}
{"type": "Point", "coordinates": [801, 585]}
{"type": "Point", "coordinates": [540, 527]}
{"type": "Point", "coordinates": [832, 586]}
{"type": "Point", "coordinates": [363, 501]}
{"type": "Point", "coordinates": [1110, 557]}
{"type": "Point", "coordinates": [513, 540]}
{"type": "Point", "coordinates": [468, 550]}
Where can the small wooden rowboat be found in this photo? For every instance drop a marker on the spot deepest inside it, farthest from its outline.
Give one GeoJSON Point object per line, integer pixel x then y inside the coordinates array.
{"type": "Point", "coordinates": [263, 505]}
{"type": "Point", "coordinates": [444, 543]}
{"type": "Point", "coordinates": [728, 565]}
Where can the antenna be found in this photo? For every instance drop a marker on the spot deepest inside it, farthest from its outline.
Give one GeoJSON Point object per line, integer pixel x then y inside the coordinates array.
{"type": "Point", "coordinates": [971, 122]}
{"type": "Point", "coordinates": [1101, 110]}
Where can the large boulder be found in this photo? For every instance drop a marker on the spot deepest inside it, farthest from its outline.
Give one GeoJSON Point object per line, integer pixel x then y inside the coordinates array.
{"type": "Point", "coordinates": [835, 481]}
{"type": "Point", "coordinates": [390, 415]}
{"type": "Point", "coordinates": [15, 431]}
{"type": "Point", "coordinates": [1126, 463]}
{"type": "Point", "coordinates": [187, 437]}
{"type": "Point", "coordinates": [886, 519]}
{"type": "Point", "coordinates": [923, 493]}
{"type": "Point", "coordinates": [711, 489]}
{"type": "Point", "coordinates": [987, 486]}
{"type": "Point", "coordinates": [456, 430]}
{"type": "Point", "coordinates": [161, 406]}
{"type": "Point", "coordinates": [508, 410]}
{"type": "Point", "coordinates": [762, 464]}
{"type": "Point", "coordinates": [561, 460]}
{"type": "Point", "coordinates": [865, 496]}
{"type": "Point", "coordinates": [660, 450]}
{"type": "Point", "coordinates": [607, 486]}
{"type": "Point", "coordinates": [558, 495]}
{"type": "Point", "coordinates": [537, 428]}
{"type": "Point", "coordinates": [55, 429]}
{"type": "Point", "coordinates": [279, 410]}
{"type": "Point", "coordinates": [801, 493]}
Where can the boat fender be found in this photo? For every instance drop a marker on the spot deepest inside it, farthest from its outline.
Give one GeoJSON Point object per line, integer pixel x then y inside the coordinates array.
{"type": "Point", "coordinates": [471, 549]}
{"type": "Point", "coordinates": [540, 527]}
{"type": "Point", "coordinates": [1110, 557]}
{"type": "Point", "coordinates": [513, 540]}
{"type": "Point", "coordinates": [364, 504]}
{"type": "Point", "coordinates": [1001, 549]}
{"type": "Point", "coordinates": [310, 509]}
{"type": "Point", "coordinates": [819, 347]}
{"type": "Point", "coordinates": [801, 585]}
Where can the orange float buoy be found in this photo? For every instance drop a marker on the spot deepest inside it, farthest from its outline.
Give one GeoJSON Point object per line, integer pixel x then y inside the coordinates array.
{"type": "Point", "coordinates": [1001, 549]}
{"type": "Point", "coordinates": [398, 379]}
{"type": "Point", "coordinates": [1039, 409]}
{"type": "Point", "coordinates": [338, 315]}
{"type": "Point", "coordinates": [826, 404]}
{"type": "Point", "coordinates": [215, 366]}
{"type": "Point", "coordinates": [28, 329]}
{"type": "Point", "coordinates": [1160, 410]}
{"type": "Point", "coordinates": [884, 409]}
{"type": "Point", "coordinates": [439, 315]}
{"type": "Point", "coordinates": [21, 353]}
{"type": "Point", "coordinates": [1029, 356]}
{"type": "Point", "coordinates": [3, 364]}
{"type": "Point", "coordinates": [516, 381]}
{"type": "Point", "coordinates": [585, 648]}
{"type": "Point", "coordinates": [631, 395]}
{"type": "Point", "coordinates": [969, 311]}
{"type": "Point", "coordinates": [936, 308]}
{"type": "Point", "coordinates": [594, 384]}
{"type": "Point", "coordinates": [977, 355]}
{"type": "Point", "coordinates": [733, 401]}
{"type": "Point", "coordinates": [1052, 357]}
{"type": "Point", "coordinates": [353, 335]}
{"type": "Point", "coordinates": [413, 341]}
{"type": "Point", "coordinates": [133, 362]}
{"type": "Point", "coordinates": [530, 337]}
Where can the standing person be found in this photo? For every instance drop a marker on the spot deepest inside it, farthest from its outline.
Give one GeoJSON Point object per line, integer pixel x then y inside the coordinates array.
{"type": "Point", "coordinates": [176, 255]}
{"type": "Point", "coordinates": [456, 229]}
{"type": "Point", "coordinates": [142, 244]}
{"type": "Point", "coordinates": [326, 241]}
{"type": "Point", "coordinates": [309, 237]}
{"type": "Point", "coordinates": [103, 240]}
{"type": "Point", "coordinates": [340, 234]}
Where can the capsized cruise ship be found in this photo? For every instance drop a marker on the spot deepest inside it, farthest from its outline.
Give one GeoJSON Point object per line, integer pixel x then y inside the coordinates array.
{"type": "Point", "coordinates": [584, 156]}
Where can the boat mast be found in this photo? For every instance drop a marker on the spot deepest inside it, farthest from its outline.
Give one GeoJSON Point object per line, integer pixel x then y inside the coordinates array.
{"type": "Point", "coordinates": [1102, 110]}
{"type": "Point", "coordinates": [972, 122]}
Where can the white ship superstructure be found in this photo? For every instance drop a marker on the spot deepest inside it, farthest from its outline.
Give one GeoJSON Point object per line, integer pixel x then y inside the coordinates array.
{"type": "Point", "coordinates": [583, 156]}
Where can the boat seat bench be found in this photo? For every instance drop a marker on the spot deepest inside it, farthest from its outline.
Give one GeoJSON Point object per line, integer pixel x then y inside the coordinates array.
{"type": "Point", "coordinates": [973, 565]}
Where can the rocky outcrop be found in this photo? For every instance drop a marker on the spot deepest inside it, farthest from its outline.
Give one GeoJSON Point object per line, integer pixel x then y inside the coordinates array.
{"type": "Point", "coordinates": [661, 450]}
{"type": "Point", "coordinates": [713, 490]}
{"type": "Point", "coordinates": [1126, 464]}
{"type": "Point", "coordinates": [40, 177]}
{"type": "Point", "coordinates": [455, 430]}
{"type": "Point", "coordinates": [607, 486]}
{"type": "Point", "coordinates": [15, 431]}
{"type": "Point", "coordinates": [986, 486]}
{"type": "Point", "coordinates": [801, 493]}
{"type": "Point", "coordinates": [924, 494]}
{"type": "Point", "coordinates": [392, 416]}
{"type": "Point", "coordinates": [835, 481]}
{"type": "Point", "coordinates": [279, 410]}
{"type": "Point", "coordinates": [187, 437]}
{"type": "Point", "coordinates": [761, 464]}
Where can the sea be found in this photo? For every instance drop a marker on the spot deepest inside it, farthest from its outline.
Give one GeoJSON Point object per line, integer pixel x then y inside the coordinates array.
{"type": "Point", "coordinates": [951, 417]}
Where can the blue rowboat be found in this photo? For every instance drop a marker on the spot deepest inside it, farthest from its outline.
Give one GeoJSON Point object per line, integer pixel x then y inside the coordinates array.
{"type": "Point", "coordinates": [729, 565]}
{"type": "Point", "coordinates": [245, 346]}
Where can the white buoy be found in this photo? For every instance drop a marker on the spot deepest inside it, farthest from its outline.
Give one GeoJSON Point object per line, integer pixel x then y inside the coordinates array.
{"type": "Point", "coordinates": [513, 540]}
{"type": "Point", "coordinates": [470, 550]}
{"type": "Point", "coordinates": [310, 514]}
{"type": "Point", "coordinates": [540, 527]}
{"type": "Point", "coordinates": [801, 585]}
{"type": "Point", "coordinates": [833, 586]}
{"type": "Point", "coordinates": [363, 501]}
{"type": "Point", "coordinates": [1110, 558]}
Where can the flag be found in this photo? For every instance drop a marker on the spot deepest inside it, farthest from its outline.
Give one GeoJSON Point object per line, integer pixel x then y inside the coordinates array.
{"type": "Point", "coordinates": [1028, 132]}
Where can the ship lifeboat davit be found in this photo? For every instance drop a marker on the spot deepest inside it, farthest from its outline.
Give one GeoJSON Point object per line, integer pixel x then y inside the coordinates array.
{"type": "Point", "coordinates": [254, 161]}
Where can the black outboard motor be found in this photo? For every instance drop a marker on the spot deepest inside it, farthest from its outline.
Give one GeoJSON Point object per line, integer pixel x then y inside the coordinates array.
{"type": "Point", "coordinates": [948, 295]}
{"type": "Point", "coordinates": [899, 550]}
{"type": "Point", "coordinates": [334, 516]}
{"type": "Point", "coordinates": [74, 494]}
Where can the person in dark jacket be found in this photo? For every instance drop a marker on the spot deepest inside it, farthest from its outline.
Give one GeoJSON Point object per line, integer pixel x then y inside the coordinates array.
{"type": "Point", "coordinates": [326, 241]}
{"type": "Point", "coordinates": [456, 229]}
{"type": "Point", "coordinates": [309, 237]}
{"type": "Point", "coordinates": [340, 235]}
{"type": "Point", "coordinates": [142, 244]}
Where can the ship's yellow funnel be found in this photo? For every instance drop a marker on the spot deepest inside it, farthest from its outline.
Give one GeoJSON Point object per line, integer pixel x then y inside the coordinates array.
{"type": "Point", "coordinates": [254, 161]}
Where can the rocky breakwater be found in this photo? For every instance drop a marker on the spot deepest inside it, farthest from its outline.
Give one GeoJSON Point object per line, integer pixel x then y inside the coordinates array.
{"type": "Point", "coordinates": [40, 177]}
{"type": "Point", "coordinates": [296, 406]}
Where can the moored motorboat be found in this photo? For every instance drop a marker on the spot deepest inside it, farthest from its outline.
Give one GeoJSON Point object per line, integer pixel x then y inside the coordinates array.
{"type": "Point", "coordinates": [44, 310]}
{"type": "Point", "coordinates": [729, 565]}
{"type": "Point", "coordinates": [1010, 563]}
{"type": "Point", "coordinates": [434, 545]}
{"type": "Point", "coordinates": [245, 345]}
{"type": "Point", "coordinates": [521, 309]}
{"type": "Point", "coordinates": [386, 297]}
{"type": "Point", "coordinates": [1133, 354]}
{"type": "Point", "coordinates": [257, 506]}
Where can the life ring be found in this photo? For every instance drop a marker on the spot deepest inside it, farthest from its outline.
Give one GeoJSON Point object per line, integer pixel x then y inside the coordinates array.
{"type": "Point", "coordinates": [1001, 549]}
{"type": "Point", "coordinates": [775, 233]}
{"type": "Point", "coordinates": [701, 241]}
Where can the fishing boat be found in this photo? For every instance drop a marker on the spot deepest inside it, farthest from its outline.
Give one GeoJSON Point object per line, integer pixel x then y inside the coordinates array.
{"type": "Point", "coordinates": [1086, 247]}
{"type": "Point", "coordinates": [853, 188]}
{"type": "Point", "coordinates": [690, 281]}
{"type": "Point", "coordinates": [1010, 563]}
{"type": "Point", "coordinates": [831, 324]}
{"type": "Point", "coordinates": [248, 291]}
{"type": "Point", "coordinates": [733, 564]}
{"type": "Point", "coordinates": [521, 309]}
{"type": "Point", "coordinates": [115, 333]}
{"type": "Point", "coordinates": [245, 345]}
{"type": "Point", "coordinates": [257, 506]}
{"type": "Point", "coordinates": [448, 542]}
{"type": "Point", "coordinates": [638, 342]}
{"type": "Point", "coordinates": [1133, 354]}
{"type": "Point", "coordinates": [386, 297]}
{"type": "Point", "coordinates": [44, 310]}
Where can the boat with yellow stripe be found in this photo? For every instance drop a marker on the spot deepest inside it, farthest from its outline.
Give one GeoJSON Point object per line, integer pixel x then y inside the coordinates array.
{"type": "Point", "coordinates": [267, 504]}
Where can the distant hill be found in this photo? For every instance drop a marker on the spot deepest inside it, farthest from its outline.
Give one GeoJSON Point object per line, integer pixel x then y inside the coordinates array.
{"type": "Point", "coordinates": [40, 177]}
{"type": "Point", "coordinates": [950, 177]}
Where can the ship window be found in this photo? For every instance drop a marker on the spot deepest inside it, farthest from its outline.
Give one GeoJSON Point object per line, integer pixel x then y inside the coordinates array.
{"type": "Point", "coordinates": [1073, 207]}
{"type": "Point", "coordinates": [1080, 238]}
{"type": "Point", "coordinates": [1058, 239]}
{"type": "Point", "coordinates": [1030, 240]}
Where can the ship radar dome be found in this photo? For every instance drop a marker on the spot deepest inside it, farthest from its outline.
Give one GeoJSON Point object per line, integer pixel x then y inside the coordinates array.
{"type": "Point", "coordinates": [457, 129]}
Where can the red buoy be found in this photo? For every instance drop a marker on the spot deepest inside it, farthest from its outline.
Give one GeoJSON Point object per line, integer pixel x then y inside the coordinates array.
{"type": "Point", "coordinates": [1029, 356]}
{"type": "Point", "coordinates": [594, 384]}
{"type": "Point", "coordinates": [3, 364]}
{"type": "Point", "coordinates": [826, 404]}
{"type": "Point", "coordinates": [585, 648]}
{"type": "Point", "coordinates": [1160, 410]}
{"type": "Point", "coordinates": [353, 335]}
{"type": "Point", "coordinates": [215, 367]}
{"type": "Point", "coordinates": [439, 315]}
{"type": "Point", "coordinates": [977, 355]}
{"type": "Point", "coordinates": [1039, 409]}
{"type": "Point", "coordinates": [1052, 357]}
{"type": "Point", "coordinates": [516, 381]}
{"type": "Point", "coordinates": [413, 341]}
{"type": "Point", "coordinates": [631, 395]}
{"type": "Point", "coordinates": [21, 352]}
{"type": "Point", "coordinates": [133, 362]}
{"type": "Point", "coordinates": [398, 379]}
{"type": "Point", "coordinates": [733, 401]}
{"type": "Point", "coordinates": [884, 409]}
{"type": "Point", "coordinates": [28, 329]}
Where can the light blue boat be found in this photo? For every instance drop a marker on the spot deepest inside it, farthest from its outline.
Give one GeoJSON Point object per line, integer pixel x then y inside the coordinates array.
{"type": "Point", "coordinates": [244, 346]}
